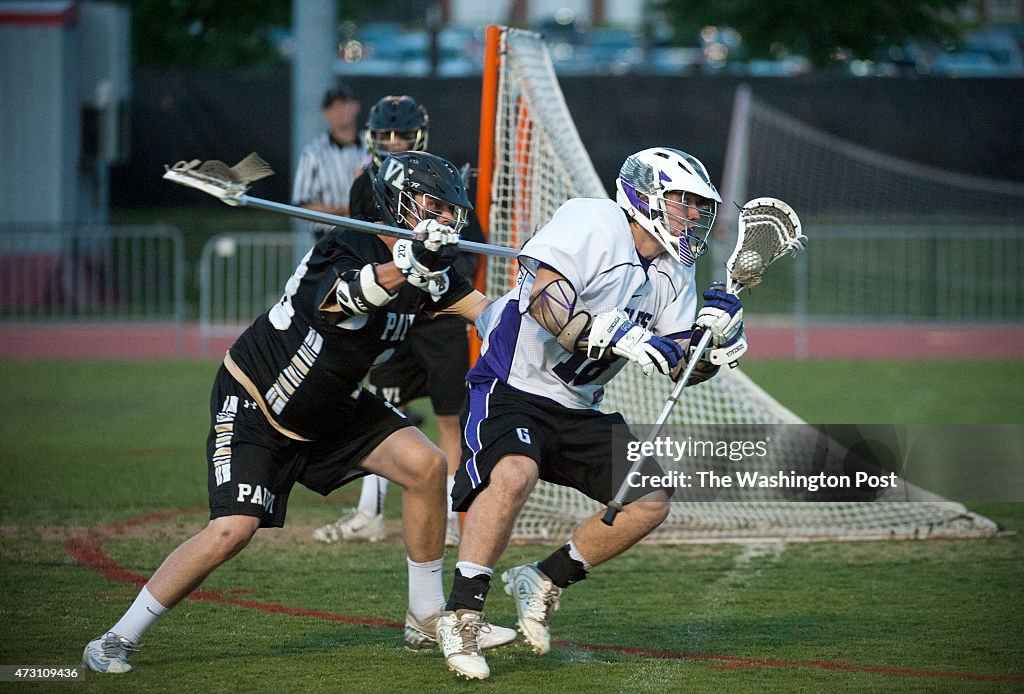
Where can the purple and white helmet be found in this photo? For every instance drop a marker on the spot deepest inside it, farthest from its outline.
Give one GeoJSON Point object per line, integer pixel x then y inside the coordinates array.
{"type": "Point", "coordinates": [644, 180]}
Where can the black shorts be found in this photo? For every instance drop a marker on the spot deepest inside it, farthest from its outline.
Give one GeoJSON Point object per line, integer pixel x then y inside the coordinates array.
{"type": "Point", "coordinates": [252, 467]}
{"type": "Point", "coordinates": [572, 448]}
{"type": "Point", "coordinates": [432, 361]}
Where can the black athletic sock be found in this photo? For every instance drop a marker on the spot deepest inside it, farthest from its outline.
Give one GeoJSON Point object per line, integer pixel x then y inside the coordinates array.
{"type": "Point", "coordinates": [468, 593]}
{"type": "Point", "coordinates": [562, 569]}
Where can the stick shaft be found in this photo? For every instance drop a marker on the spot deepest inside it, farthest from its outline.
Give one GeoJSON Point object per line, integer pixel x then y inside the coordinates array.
{"type": "Point", "coordinates": [615, 505]}
{"type": "Point", "coordinates": [358, 224]}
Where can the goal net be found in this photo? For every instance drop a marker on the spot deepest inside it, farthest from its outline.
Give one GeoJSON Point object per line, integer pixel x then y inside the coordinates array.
{"type": "Point", "coordinates": [532, 160]}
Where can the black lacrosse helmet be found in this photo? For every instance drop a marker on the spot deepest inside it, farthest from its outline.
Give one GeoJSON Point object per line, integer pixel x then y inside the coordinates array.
{"type": "Point", "coordinates": [403, 174]}
{"type": "Point", "coordinates": [399, 119]}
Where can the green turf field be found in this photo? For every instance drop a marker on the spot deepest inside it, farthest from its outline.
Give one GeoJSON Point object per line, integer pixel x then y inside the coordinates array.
{"type": "Point", "coordinates": [85, 445]}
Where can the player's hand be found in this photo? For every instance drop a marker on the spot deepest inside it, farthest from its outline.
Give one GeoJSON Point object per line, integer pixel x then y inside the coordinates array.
{"type": "Point", "coordinates": [433, 251]}
{"type": "Point", "coordinates": [716, 355]}
{"type": "Point", "coordinates": [722, 315]}
{"type": "Point", "coordinates": [627, 339]}
{"type": "Point", "coordinates": [435, 284]}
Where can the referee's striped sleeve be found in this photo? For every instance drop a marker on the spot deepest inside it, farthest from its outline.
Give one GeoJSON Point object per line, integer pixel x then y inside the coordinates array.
{"type": "Point", "coordinates": [306, 187]}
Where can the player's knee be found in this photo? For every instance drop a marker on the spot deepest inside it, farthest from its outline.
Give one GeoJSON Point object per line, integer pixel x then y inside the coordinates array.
{"type": "Point", "coordinates": [515, 476]}
{"type": "Point", "coordinates": [231, 534]}
{"type": "Point", "coordinates": [431, 467]}
{"type": "Point", "coordinates": [650, 513]}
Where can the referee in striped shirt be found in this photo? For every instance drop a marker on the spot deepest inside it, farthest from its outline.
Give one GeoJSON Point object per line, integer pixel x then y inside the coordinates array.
{"type": "Point", "coordinates": [331, 162]}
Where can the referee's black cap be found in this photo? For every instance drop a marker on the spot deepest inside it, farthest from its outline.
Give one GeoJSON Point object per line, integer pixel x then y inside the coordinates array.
{"type": "Point", "coordinates": [340, 91]}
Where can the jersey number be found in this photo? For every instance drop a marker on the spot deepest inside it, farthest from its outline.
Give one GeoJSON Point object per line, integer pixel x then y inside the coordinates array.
{"type": "Point", "coordinates": [282, 312]}
{"type": "Point", "coordinates": [577, 370]}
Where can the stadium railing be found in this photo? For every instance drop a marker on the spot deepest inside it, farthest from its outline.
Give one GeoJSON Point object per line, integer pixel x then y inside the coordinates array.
{"type": "Point", "coordinates": [240, 275]}
{"type": "Point", "coordinates": [92, 274]}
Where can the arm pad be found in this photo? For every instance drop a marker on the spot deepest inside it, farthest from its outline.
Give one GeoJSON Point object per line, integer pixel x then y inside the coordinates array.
{"type": "Point", "coordinates": [359, 292]}
{"type": "Point", "coordinates": [557, 310]}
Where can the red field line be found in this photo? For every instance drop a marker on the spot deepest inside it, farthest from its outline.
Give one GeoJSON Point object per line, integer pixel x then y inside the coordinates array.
{"type": "Point", "coordinates": [87, 550]}
{"type": "Point", "coordinates": [767, 341]}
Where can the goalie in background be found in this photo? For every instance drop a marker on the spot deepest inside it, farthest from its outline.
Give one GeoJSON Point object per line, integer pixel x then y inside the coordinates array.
{"type": "Point", "coordinates": [434, 358]}
{"type": "Point", "coordinates": [603, 283]}
{"type": "Point", "coordinates": [287, 405]}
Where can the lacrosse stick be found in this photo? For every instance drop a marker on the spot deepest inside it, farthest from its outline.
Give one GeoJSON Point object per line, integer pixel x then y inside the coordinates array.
{"type": "Point", "coordinates": [768, 230]}
{"type": "Point", "coordinates": [230, 183]}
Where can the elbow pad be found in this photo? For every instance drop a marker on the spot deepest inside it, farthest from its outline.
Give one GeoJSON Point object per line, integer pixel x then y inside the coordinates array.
{"type": "Point", "coordinates": [359, 292]}
{"type": "Point", "coordinates": [559, 312]}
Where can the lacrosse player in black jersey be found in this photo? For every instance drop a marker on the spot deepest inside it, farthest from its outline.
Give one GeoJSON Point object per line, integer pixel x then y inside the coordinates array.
{"type": "Point", "coordinates": [287, 405]}
{"type": "Point", "coordinates": [434, 360]}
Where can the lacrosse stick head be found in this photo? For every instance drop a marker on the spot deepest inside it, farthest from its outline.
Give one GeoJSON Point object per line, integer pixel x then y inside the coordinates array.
{"type": "Point", "coordinates": [768, 230]}
{"type": "Point", "coordinates": [226, 183]}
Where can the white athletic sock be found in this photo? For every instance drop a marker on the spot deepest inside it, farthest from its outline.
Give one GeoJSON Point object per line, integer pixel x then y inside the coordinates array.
{"type": "Point", "coordinates": [574, 553]}
{"type": "Point", "coordinates": [371, 498]}
{"type": "Point", "coordinates": [426, 592]}
{"type": "Point", "coordinates": [139, 617]}
{"type": "Point", "coordinates": [470, 570]}
{"type": "Point", "coordinates": [451, 483]}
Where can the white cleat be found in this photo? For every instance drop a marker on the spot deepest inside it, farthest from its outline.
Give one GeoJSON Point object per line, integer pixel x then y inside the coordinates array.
{"type": "Point", "coordinates": [452, 534]}
{"type": "Point", "coordinates": [458, 633]}
{"type": "Point", "coordinates": [536, 597]}
{"type": "Point", "coordinates": [422, 636]}
{"type": "Point", "coordinates": [108, 653]}
{"type": "Point", "coordinates": [353, 526]}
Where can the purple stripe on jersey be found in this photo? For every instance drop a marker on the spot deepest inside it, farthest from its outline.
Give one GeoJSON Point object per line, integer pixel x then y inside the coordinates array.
{"type": "Point", "coordinates": [686, 253]}
{"type": "Point", "coordinates": [479, 404]}
{"type": "Point", "coordinates": [501, 342]}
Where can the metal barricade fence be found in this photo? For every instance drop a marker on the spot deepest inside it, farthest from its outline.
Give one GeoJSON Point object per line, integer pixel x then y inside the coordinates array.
{"type": "Point", "coordinates": [848, 275]}
{"type": "Point", "coordinates": [905, 274]}
{"type": "Point", "coordinates": [92, 273]}
{"type": "Point", "coordinates": [240, 276]}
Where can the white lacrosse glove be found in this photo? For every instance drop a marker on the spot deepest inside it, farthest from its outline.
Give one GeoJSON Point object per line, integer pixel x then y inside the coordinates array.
{"type": "Point", "coordinates": [729, 353]}
{"type": "Point", "coordinates": [722, 315]}
{"type": "Point", "coordinates": [627, 339]}
{"type": "Point", "coordinates": [432, 252]}
{"type": "Point", "coordinates": [435, 284]}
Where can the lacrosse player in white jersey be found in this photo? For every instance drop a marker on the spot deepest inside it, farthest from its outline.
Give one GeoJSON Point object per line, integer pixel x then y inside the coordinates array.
{"type": "Point", "coordinates": [602, 284]}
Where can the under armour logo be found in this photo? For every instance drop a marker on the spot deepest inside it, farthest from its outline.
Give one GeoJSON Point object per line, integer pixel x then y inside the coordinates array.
{"type": "Point", "coordinates": [250, 405]}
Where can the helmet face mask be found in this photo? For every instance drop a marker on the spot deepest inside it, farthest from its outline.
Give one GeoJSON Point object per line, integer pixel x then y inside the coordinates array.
{"type": "Point", "coordinates": [416, 207]}
{"type": "Point", "coordinates": [669, 194]}
{"type": "Point", "coordinates": [412, 186]}
{"type": "Point", "coordinates": [396, 124]}
{"type": "Point", "coordinates": [383, 142]}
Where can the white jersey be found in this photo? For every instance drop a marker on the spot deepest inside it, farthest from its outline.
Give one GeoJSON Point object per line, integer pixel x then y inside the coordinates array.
{"type": "Point", "coordinates": [589, 242]}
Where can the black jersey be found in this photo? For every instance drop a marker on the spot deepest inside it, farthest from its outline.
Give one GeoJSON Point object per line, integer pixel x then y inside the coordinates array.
{"type": "Point", "coordinates": [360, 200]}
{"type": "Point", "coordinates": [306, 369]}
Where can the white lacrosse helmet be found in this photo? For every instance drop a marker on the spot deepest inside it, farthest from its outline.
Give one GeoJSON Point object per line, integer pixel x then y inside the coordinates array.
{"type": "Point", "coordinates": [643, 182]}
